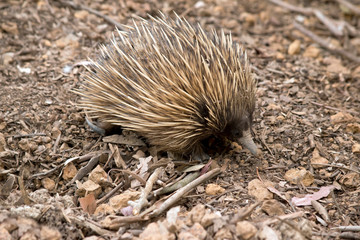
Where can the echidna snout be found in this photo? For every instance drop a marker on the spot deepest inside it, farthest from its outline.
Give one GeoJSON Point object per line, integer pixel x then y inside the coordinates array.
{"type": "Point", "coordinates": [240, 132]}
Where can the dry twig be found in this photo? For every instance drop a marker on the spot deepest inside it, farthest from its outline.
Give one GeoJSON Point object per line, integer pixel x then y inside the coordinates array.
{"type": "Point", "coordinates": [243, 214]}
{"type": "Point", "coordinates": [322, 42]}
{"type": "Point", "coordinates": [182, 191]}
{"type": "Point", "coordinates": [86, 169]}
{"type": "Point", "coordinates": [305, 11]}
{"type": "Point", "coordinates": [94, 227]}
{"type": "Point", "coordinates": [350, 6]}
{"type": "Point", "coordinates": [119, 161]}
{"type": "Point", "coordinates": [336, 166]}
{"type": "Point", "coordinates": [321, 210]}
{"type": "Point", "coordinates": [189, 178]}
{"type": "Point", "coordinates": [56, 144]}
{"type": "Point", "coordinates": [283, 217]}
{"type": "Point", "coordinates": [24, 194]}
{"type": "Point", "coordinates": [142, 201]}
{"type": "Point", "coordinates": [29, 135]}
{"type": "Point", "coordinates": [93, 11]}
{"type": "Point", "coordinates": [347, 228]}
{"type": "Point", "coordinates": [334, 108]}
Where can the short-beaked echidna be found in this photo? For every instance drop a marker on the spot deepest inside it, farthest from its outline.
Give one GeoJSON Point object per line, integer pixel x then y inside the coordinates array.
{"type": "Point", "coordinates": [174, 84]}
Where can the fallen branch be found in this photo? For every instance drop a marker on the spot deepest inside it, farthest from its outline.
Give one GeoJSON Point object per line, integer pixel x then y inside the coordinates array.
{"type": "Point", "coordinates": [109, 194]}
{"type": "Point", "coordinates": [334, 108]}
{"type": "Point", "coordinates": [29, 135]}
{"type": "Point", "coordinates": [90, 225]}
{"type": "Point", "coordinates": [337, 27]}
{"type": "Point", "coordinates": [336, 166]}
{"type": "Point", "coordinates": [93, 11]}
{"type": "Point", "coordinates": [305, 11]}
{"type": "Point", "coordinates": [178, 184]}
{"type": "Point", "coordinates": [347, 228]}
{"type": "Point", "coordinates": [182, 191]}
{"type": "Point", "coordinates": [244, 213]}
{"type": "Point", "coordinates": [322, 42]}
{"type": "Point", "coordinates": [80, 159]}
{"type": "Point", "coordinates": [350, 6]}
{"type": "Point", "coordinates": [142, 201]}
{"type": "Point", "coordinates": [85, 169]}
{"type": "Point", "coordinates": [283, 217]}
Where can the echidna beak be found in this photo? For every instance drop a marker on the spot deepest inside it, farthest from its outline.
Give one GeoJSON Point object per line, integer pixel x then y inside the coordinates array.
{"type": "Point", "coordinates": [247, 141]}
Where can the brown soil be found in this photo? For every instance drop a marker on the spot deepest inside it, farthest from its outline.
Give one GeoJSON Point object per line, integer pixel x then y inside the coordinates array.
{"type": "Point", "coordinates": [308, 111]}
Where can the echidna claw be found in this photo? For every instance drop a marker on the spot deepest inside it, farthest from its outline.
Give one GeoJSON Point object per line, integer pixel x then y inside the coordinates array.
{"type": "Point", "coordinates": [247, 142]}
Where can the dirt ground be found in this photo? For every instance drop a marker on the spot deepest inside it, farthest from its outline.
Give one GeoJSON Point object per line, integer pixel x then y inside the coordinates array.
{"type": "Point", "coordinates": [55, 172]}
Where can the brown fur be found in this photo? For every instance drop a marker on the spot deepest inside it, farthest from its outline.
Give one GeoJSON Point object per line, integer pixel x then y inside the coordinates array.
{"type": "Point", "coordinates": [172, 83]}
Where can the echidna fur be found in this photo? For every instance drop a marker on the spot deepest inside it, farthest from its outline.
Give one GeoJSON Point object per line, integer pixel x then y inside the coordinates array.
{"type": "Point", "coordinates": [173, 84]}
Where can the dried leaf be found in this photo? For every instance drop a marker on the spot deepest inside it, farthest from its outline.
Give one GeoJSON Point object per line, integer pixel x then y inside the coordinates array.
{"type": "Point", "coordinates": [306, 201]}
{"type": "Point", "coordinates": [88, 203]}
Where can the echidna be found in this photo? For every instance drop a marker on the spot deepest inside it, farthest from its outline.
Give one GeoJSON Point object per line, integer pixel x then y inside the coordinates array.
{"type": "Point", "coordinates": [174, 84]}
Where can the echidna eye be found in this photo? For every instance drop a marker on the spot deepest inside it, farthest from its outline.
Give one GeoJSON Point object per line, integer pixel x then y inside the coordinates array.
{"type": "Point", "coordinates": [237, 133]}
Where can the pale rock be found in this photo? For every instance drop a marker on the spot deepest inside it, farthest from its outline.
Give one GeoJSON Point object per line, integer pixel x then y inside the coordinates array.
{"type": "Point", "coordinates": [245, 230]}
{"type": "Point", "coordinates": [294, 47]}
{"type": "Point", "coordinates": [214, 189]}
{"type": "Point", "coordinates": [198, 231]}
{"type": "Point", "coordinates": [258, 189]}
{"type": "Point", "coordinates": [197, 213]}
{"type": "Point", "coordinates": [47, 233]}
{"type": "Point", "coordinates": [317, 161]}
{"type": "Point", "coordinates": [312, 52]}
{"type": "Point", "coordinates": [297, 175]}
{"type": "Point", "coordinates": [223, 233]}
{"type": "Point", "coordinates": [356, 148]}
{"type": "Point", "coordinates": [272, 207]}
{"type": "Point", "coordinates": [120, 201]}
{"type": "Point", "coordinates": [48, 183]}
{"type": "Point", "coordinates": [88, 187]}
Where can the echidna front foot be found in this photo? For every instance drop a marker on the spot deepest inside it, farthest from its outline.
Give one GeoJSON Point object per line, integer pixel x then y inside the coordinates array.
{"type": "Point", "coordinates": [102, 128]}
{"type": "Point", "coordinates": [198, 153]}
{"type": "Point", "coordinates": [200, 157]}
{"type": "Point", "coordinates": [247, 142]}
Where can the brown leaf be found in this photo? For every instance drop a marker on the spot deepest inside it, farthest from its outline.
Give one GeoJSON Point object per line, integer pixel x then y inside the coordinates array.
{"type": "Point", "coordinates": [88, 203]}
{"type": "Point", "coordinates": [306, 201]}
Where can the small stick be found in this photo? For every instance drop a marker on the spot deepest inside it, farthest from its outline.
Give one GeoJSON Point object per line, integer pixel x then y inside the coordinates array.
{"type": "Point", "coordinates": [44, 174]}
{"type": "Point", "coordinates": [29, 135]}
{"type": "Point", "coordinates": [119, 161]}
{"type": "Point", "coordinates": [305, 11]}
{"type": "Point", "coordinates": [336, 203]}
{"type": "Point", "coordinates": [321, 210]}
{"type": "Point", "coordinates": [244, 213]}
{"type": "Point", "coordinates": [350, 6]}
{"type": "Point", "coordinates": [347, 228]}
{"type": "Point", "coordinates": [118, 221]}
{"type": "Point", "coordinates": [86, 169]}
{"type": "Point", "coordinates": [97, 13]}
{"type": "Point", "coordinates": [109, 194]}
{"type": "Point", "coordinates": [182, 191]}
{"type": "Point", "coordinates": [283, 217]}
{"type": "Point", "coordinates": [23, 190]}
{"type": "Point", "coordinates": [333, 108]}
{"type": "Point", "coordinates": [335, 166]}
{"type": "Point", "coordinates": [134, 175]}
{"type": "Point", "coordinates": [142, 201]}
{"type": "Point", "coordinates": [86, 223]}
{"type": "Point", "coordinates": [322, 42]}
{"type": "Point", "coordinates": [56, 144]}
{"type": "Point", "coordinates": [189, 178]}
{"type": "Point", "coordinates": [262, 139]}
{"type": "Point", "coordinates": [336, 27]}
